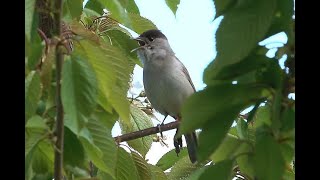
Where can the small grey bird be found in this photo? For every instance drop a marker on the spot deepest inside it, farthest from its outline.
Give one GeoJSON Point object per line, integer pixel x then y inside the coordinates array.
{"type": "Point", "coordinates": [166, 81]}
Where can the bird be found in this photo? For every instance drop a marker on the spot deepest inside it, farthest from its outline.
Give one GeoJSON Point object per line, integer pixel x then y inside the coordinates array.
{"type": "Point", "coordinates": [167, 82]}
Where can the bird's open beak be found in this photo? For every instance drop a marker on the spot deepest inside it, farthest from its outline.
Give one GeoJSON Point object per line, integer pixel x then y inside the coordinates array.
{"type": "Point", "coordinates": [141, 42]}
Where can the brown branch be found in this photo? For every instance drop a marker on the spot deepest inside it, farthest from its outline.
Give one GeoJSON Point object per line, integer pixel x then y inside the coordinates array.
{"type": "Point", "coordinates": [146, 132]}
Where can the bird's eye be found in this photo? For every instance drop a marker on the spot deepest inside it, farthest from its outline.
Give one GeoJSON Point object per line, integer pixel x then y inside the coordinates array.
{"type": "Point", "coordinates": [141, 43]}
{"type": "Point", "coordinates": [151, 39]}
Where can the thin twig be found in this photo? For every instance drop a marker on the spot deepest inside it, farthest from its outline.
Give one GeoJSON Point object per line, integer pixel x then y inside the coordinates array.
{"type": "Point", "coordinates": [59, 131]}
{"type": "Point", "coordinates": [146, 132]}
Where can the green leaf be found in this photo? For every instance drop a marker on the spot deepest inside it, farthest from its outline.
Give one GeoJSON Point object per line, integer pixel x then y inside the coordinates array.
{"type": "Point", "coordinates": [112, 71]}
{"type": "Point", "coordinates": [157, 173]}
{"type": "Point", "coordinates": [215, 117]}
{"type": "Point", "coordinates": [46, 68]}
{"type": "Point", "coordinates": [223, 6]}
{"type": "Point", "coordinates": [227, 149]}
{"type": "Point", "coordinates": [242, 128]}
{"type": "Point", "coordinates": [36, 122]}
{"type": "Point", "coordinates": [271, 74]}
{"type": "Point", "coordinates": [116, 9]}
{"type": "Point", "coordinates": [95, 5]}
{"type": "Point", "coordinates": [245, 161]}
{"type": "Point", "coordinates": [130, 6]}
{"type": "Point", "coordinates": [125, 167]}
{"type": "Point", "coordinates": [102, 138]}
{"type": "Point", "coordinates": [173, 5]}
{"type": "Point", "coordinates": [262, 116]}
{"type": "Point", "coordinates": [73, 151]}
{"type": "Point", "coordinates": [43, 158]}
{"type": "Point", "coordinates": [137, 23]}
{"type": "Point", "coordinates": [28, 16]}
{"type": "Point", "coordinates": [139, 120]}
{"type": "Point", "coordinates": [237, 70]}
{"type": "Point", "coordinates": [124, 42]}
{"type": "Point", "coordinates": [79, 89]}
{"type": "Point", "coordinates": [95, 155]}
{"type": "Point", "coordinates": [221, 170]}
{"type": "Point", "coordinates": [268, 161]}
{"type": "Point", "coordinates": [197, 173]}
{"type": "Point", "coordinates": [170, 158]}
{"type": "Point", "coordinates": [238, 97]}
{"type": "Point", "coordinates": [106, 118]}
{"type": "Point", "coordinates": [183, 168]}
{"type": "Point", "coordinates": [142, 166]}
{"type": "Point", "coordinates": [252, 19]}
{"type": "Point", "coordinates": [288, 119]}
{"type": "Point", "coordinates": [75, 8]}
{"type": "Point", "coordinates": [32, 93]}
{"type": "Point", "coordinates": [213, 134]}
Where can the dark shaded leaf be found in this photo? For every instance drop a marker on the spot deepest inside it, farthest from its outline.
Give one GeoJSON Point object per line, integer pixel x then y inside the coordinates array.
{"type": "Point", "coordinates": [73, 151]}
{"type": "Point", "coordinates": [252, 19]}
{"type": "Point", "coordinates": [227, 149]}
{"type": "Point", "coordinates": [268, 160]}
{"type": "Point", "coordinates": [242, 128]}
{"type": "Point", "coordinates": [223, 6]}
{"type": "Point", "coordinates": [238, 97]}
{"type": "Point", "coordinates": [221, 170]}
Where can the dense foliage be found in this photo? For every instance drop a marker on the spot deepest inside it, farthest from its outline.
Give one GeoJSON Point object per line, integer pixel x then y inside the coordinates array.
{"type": "Point", "coordinates": [96, 77]}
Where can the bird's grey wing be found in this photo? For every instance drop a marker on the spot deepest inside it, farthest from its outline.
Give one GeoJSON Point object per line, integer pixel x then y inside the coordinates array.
{"type": "Point", "coordinates": [185, 71]}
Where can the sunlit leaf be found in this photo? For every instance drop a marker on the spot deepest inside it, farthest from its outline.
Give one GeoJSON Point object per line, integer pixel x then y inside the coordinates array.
{"type": "Point", "coordinates": [28, 16]}
{"type": "Point", "coordinates": [183, 168]}
{"type": "Point", "coordinates": [102, 138]}
{"type": "Point", "coordinates": [139, 120]}
{"type": "Point", "coordinates": [157, 173]}
{"type": "Point", "coordinates": [32, 93]}
{"type": "Point", "coordinates": [43, 158]}
{"type": "Point", "coordinates": [75, 8]}
{"type": "Point", "coordinates": [112, 71]}
{"type": "Point", "coordinates": [142, 166]}
{"type": "Point", "coordinates": [170, 158]}
{"type": "Point", "coordinates": [78, 89]}
{"type": "Point", "coordinates": [125, 167]}
{"type": "Point", "coordinates": [173, 5]}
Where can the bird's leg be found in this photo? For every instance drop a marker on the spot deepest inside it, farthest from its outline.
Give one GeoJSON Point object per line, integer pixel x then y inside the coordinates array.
{"type": "Point", "coordinates": [159, 125]}
{"type": "Point", "coordinates": [177, 142]}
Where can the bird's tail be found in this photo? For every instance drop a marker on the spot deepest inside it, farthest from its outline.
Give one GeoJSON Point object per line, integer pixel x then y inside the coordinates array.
{"type": "Point", "coordinates": [192, 144]}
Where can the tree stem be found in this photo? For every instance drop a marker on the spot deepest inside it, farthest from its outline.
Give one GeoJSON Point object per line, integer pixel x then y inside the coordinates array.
{"type": "Point", "coordinates": [59, 131]}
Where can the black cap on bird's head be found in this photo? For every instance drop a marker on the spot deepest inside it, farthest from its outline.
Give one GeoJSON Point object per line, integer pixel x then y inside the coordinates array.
{"type": "Point", "coordinates": [153, 34]}
{"type": "Point", "coordinates": [149, 36]}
